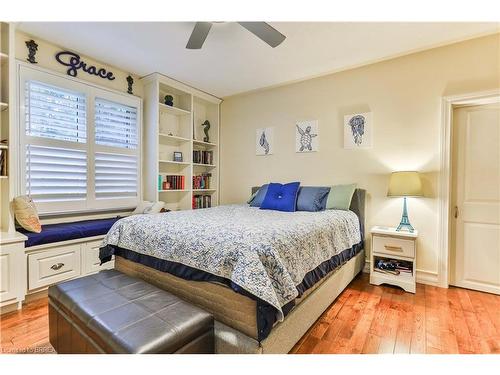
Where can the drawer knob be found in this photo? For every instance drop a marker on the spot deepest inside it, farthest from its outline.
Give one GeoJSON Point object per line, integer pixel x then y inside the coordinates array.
{"type": "Point", "coordinates": [57, 266]}
{"type": "Point", "coordinates": [393, 248]}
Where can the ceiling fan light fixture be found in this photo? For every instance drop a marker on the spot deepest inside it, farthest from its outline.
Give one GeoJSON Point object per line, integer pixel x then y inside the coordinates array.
{"type": "Point", "coordinates": [261, 30]}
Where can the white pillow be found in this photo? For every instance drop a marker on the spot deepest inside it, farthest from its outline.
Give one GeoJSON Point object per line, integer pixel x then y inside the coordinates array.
{"type": "Point", "coordinates": [146, 207]}
{"type": "Point", "coordinates": [156, 208]}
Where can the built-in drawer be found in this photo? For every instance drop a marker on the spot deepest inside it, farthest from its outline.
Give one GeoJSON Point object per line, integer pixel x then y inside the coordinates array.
{"type": "Point", "coordinates": [90, 258]}
{"type": "Point", "coordinates": [393, 246]}
{"type": "Point", "coordinates": [51, 266]}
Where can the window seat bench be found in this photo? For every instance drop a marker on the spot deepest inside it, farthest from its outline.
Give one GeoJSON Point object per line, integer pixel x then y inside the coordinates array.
{"type": "Point", "coordinates": [64, 251]}
{"type": "Point", "coordinates": [68, 231]}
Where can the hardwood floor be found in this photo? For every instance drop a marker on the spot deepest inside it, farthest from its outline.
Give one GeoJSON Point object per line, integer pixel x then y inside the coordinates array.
{"type": "Point", "coordinates": [384, 319]}
{"type": "Point", "coordinates": [363, 319]}
{"type": "Point", "coordinates": [26, 330]}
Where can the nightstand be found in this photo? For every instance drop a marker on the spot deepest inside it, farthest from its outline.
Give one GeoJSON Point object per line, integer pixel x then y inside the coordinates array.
{"type": "Point", "coordinates": [393, 257]}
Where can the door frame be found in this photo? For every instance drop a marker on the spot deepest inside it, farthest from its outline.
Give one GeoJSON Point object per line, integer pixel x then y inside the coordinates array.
{"type": "Point", "coordinates": [448, 104]}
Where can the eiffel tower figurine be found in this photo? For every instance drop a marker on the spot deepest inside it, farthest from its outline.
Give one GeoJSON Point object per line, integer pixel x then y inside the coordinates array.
{"type": "Point", "coordinates": [405, 184]}
{"type": "Point", "coordinates": [405, 222]}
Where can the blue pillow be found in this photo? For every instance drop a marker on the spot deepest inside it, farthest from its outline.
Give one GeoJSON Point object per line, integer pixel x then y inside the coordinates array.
{"type": "Point", "coordinates": [281, 197]}
{"type": "Point", "coordinates": [257, 200]}
{"type": "Point", "coordinates": [312, 198]}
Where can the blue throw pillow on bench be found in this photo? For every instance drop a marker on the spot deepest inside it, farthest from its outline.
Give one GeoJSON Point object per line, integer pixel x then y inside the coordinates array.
{"type": "Point", "coordinates": [281, 197]}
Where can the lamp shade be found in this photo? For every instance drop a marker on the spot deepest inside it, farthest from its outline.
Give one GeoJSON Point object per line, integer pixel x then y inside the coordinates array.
{"type": "Point", "coordinates": [405, 184]}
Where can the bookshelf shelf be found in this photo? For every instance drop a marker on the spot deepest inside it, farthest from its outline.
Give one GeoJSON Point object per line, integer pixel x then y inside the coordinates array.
{"type": "Point", "coordinates": [174, 162]}
{"type": "Point", "coordinates": [183, 122]}
{"type": "Point", "coordinates": [174, 138]}
{"type": "Point", "coordinates": [9, 172]}
{"type": "Point", "coordinates": [173, 110]}
{"type": "Point", "coordinates": [204, 165]}
{"type": "Point", "coordinates": [207, 144]}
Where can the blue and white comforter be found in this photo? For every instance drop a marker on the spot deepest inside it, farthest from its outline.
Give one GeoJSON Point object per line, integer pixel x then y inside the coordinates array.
{"type": "Point", "coordinates": [265, 252]}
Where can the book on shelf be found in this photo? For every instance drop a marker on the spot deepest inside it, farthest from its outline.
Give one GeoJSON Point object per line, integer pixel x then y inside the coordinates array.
{"type": "Point", "coordinates": [171, 182]}
{"type": "Point", "coordinates": [202, 181]}
{"type": "Point", "coordinates": [393, 266]}
{"type": "Point", "coordinates": [389, 272]}
{"type": "Point", "coordinates": [202, 201]}
{"type": "Point", "coordinates": [203, 157]}
{"type": "Point", "coordinates": [3, 162]}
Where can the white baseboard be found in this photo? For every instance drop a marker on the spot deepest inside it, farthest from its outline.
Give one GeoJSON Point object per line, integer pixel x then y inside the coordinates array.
{"type": "Point", "coordinates": [427, 277]}
{"type": "Point", "coordinates": [423, 276]}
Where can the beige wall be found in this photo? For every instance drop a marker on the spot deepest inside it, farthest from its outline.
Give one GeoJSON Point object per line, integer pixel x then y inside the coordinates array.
{"type": "Point", "coordinates": [404, 95]}
{"type": "Point", "coordinates": [45, 57]}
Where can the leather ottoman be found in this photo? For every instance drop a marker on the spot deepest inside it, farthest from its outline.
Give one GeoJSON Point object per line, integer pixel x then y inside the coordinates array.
{"type": "Point", "coordinates": [111, 312]}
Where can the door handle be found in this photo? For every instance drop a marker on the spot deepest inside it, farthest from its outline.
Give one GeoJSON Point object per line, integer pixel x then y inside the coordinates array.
{"type": "Point", "coordinates": [456, 212]}
{"type": "Point", "coordinates": [57, 266]}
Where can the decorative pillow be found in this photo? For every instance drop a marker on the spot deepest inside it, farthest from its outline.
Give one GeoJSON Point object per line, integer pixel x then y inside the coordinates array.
{"type": "Point", "coordinates": [259, 196]}
{"type": "Point", "coordinates": [26, 214]}
{"type": "Point", "coordinates": [156, 208]}
{"type": "Point", "coordinates": [252, 197]}
{"type": "Point", "coordinates": [146, 207]}
{"type": "Point", "coordinates": [340, 197]}
{"type": "Point", "coordinates": [281, 197]}
{"type": "Point", "coordinates": [312, 198]}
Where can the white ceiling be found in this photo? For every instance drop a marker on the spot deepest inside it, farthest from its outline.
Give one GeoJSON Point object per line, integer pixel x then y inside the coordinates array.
{"type": "Point", "coordinates": [233, 60]}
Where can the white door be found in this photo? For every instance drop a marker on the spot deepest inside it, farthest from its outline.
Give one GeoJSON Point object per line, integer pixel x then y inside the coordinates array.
{"type": "Point", "coordinates": [476, 257]}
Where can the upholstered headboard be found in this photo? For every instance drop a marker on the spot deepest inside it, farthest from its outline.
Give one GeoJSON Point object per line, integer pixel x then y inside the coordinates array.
{"type": "Point", "coordinates": [357, 206]}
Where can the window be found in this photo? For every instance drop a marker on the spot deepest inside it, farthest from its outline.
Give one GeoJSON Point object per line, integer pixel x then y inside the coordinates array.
{"type": "Point", "coordinates": [115, 124]}
{"type": "Point", "coordinates": [81, 144]}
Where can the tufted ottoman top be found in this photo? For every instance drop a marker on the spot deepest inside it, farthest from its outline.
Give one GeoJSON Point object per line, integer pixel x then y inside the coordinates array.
{"type": "Point", "coordinates": [127, 315]}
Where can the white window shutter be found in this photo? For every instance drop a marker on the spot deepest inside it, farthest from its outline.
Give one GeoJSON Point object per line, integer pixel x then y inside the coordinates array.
{"type": "Point", "coordinates": [115, 176]}
{"type": "Point", "coordinates": [56, 174]}
{"type": "Point", "coordinates": [115, 124]}
{"type": "Point", "coordinates": [55, 113]}
{"type": "Point", "coordinates": [78, 158]}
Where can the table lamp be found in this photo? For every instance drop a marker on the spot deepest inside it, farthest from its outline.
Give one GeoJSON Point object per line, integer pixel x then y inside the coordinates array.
{"type": "Point", "coordinates": [405, 184]}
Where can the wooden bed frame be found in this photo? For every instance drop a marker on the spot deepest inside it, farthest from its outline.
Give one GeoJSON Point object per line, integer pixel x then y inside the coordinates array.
{"type": "Point", "coordinates": [288, 332]}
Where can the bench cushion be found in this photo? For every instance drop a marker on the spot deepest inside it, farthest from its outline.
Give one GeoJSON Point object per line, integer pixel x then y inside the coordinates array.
{"type": "Point", "coordinates": [68, 231]}
{"type": "Point", "coordinates": [122, 314]}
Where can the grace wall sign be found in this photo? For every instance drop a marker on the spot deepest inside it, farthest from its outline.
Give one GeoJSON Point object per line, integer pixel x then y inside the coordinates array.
{"type": "Point", "coordinates": [74, 62]}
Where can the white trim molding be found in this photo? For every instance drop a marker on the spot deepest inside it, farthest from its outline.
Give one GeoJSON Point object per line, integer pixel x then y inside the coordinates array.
{"type": "Point", "coordinates": [448, 103]}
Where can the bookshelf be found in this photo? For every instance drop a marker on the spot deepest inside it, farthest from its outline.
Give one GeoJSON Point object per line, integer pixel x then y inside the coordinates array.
{"type": "Point", "coordinates": [177, 128]}
{"type": "Point", "coordinates": [7, 128]}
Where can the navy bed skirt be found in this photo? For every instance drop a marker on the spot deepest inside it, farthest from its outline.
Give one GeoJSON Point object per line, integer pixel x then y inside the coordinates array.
{"type": "Point", "coordinates": [266, 314]}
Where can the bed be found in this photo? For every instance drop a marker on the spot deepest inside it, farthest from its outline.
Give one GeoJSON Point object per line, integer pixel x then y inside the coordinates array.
{"type": "Point", "coordinates": [266, 276]}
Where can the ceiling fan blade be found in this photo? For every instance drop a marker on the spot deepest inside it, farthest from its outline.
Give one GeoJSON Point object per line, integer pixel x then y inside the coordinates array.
{"type": "Point", "coordinates": [265, 32]}
{"type": "Point", "coordinates": [198, 35]}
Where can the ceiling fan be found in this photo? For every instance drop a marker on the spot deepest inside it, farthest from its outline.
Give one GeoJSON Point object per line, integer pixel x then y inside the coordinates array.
{"type": "Point", "coordinates": [262, 30]}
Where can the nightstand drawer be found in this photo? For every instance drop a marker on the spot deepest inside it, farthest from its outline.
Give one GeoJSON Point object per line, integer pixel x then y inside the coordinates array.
{"type": "Point", "coordinates": [393, 246]}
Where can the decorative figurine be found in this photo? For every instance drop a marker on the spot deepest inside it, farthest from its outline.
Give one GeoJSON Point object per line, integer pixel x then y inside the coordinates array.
{"type": "Point", "coordinates": [130, 82]}
{"type": "Point", "coordinates": [32, 48]}
{"type": "Point", "coordinates": [206, 124]}
{"type": "Point", "coordinates": [169, 100]}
